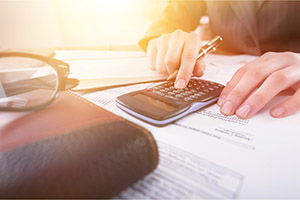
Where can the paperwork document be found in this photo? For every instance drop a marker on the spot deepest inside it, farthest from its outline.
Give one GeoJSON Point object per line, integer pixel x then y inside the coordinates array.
{"type": "Point", "coordinates": [209, 155]}
{"type": "Point", "coordinates": [99, 69]}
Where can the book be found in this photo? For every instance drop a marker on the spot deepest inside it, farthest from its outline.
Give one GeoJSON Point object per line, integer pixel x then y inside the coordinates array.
{"type": "Point", "coordinates": [71, 149]}
{"type": "Point", "coordinates": [103, 69]}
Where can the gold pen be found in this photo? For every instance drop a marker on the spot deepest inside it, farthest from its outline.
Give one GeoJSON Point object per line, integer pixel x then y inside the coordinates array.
{"type": "Point", "coordinates": [207, 48]}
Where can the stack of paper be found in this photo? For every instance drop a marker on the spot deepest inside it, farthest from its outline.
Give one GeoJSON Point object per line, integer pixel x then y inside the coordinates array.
{"type": "Point", "coordinates": [99, 69]}
{"type": "Point", "coordinates": [207, 155]}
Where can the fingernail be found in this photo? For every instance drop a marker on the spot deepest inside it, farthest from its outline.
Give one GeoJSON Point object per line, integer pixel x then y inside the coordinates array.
{"type": "Point", "coordinates": [278, 112]}
{"type": "Point", "coordinates": [227, 108]}
{"type": "Point", "coordinates": [180, 84]}
{"type": "Point", "coordinates": [221, 100]}
{"type": "Point", "coordinates": [243, 111]}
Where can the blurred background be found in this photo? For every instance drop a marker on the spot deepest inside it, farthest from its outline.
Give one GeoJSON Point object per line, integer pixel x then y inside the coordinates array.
{"type": "Point", "coordinates": [27, 24]}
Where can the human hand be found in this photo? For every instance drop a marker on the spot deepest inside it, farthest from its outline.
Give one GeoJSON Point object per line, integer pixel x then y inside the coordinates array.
{"type": "Point", "coordinates": [256, 83]}
{"type": "Point", "coordinates": [177, 50]}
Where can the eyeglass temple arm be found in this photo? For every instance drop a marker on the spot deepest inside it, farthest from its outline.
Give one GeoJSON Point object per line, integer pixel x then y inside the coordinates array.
{"type": "Point", "coordinates": [63, 71]}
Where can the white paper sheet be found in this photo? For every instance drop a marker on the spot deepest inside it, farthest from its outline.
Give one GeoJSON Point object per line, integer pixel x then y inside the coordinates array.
{"type": "Point", "coordinates": [92, 55]}
{"type": "Point", "coordinates": [209, 155]}
{"type": "Point", "coordinates": [98, 69]}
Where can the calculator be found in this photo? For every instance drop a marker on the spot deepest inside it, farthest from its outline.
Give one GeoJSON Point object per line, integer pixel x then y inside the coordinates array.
{"type": "Point", "coordinates": [163, 104]}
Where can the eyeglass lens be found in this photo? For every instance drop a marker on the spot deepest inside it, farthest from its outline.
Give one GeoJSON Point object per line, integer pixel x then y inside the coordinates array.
{"type": "Point", "coordinates": [26, 82]}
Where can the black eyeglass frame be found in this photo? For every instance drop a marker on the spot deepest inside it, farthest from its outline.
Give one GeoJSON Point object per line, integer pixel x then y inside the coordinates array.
{"type": "Point", "coordinates": [61, 68]}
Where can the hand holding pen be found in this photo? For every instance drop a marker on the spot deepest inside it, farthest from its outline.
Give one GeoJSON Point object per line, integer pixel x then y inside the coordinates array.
{"type": "Point", "coordinates": [207, 48]}
{"type": "Point", "coordinates": [180, 51]}
{"type": "Point", "coordinates": [211, 46]}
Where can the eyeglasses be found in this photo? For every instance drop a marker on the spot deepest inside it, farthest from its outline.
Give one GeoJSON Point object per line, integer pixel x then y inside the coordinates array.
{"type": "Point", "coordinates": [30, 82]}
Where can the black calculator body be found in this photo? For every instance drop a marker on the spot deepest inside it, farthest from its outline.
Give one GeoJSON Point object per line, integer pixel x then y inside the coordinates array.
{"type": "Point", "coordinates": [162, 104]}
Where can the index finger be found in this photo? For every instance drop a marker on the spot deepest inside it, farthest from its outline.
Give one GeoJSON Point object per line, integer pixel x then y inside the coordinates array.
{"type": "Point", "coordinates": [188, 60]}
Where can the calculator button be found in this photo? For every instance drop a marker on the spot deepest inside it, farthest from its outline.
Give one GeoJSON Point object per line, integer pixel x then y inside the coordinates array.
{"type": "Point", "coordinates": [179, 96]}
{"type": "Point", "coordinates": [171, 93]}
{"type": "Point", "coordinates": [188, 99]}
{"type": "Point", "coordinates": [185, 94]}
{"type": "Point", "coordinates": [171, 97]}
{"type": "Point", "coordinates": [201, 93]}
{"type": "Point", "coordinates": [159, 93]}
{"type": "Point", "coordinates": [194, 97]}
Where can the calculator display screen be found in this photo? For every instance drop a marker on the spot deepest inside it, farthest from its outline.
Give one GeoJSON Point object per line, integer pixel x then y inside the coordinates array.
{"type": "Point", "coordinates": [155, 102]}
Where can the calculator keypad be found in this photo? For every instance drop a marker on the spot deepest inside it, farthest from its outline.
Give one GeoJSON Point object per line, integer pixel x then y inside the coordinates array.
{"type": "Point", "coordinates": [196, 90]}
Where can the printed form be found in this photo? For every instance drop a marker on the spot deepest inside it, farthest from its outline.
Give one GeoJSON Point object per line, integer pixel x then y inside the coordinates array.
{"type": "Point", "coordinates": [209, 155]}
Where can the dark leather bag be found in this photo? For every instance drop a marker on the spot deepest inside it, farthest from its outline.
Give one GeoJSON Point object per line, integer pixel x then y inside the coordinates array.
{"type": "Point", "coordinates": [71, 149]}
